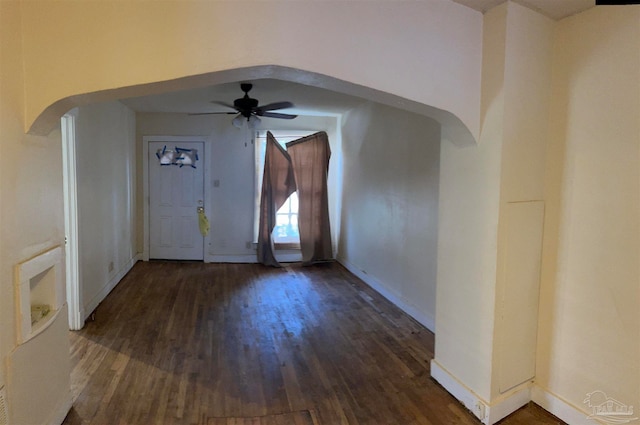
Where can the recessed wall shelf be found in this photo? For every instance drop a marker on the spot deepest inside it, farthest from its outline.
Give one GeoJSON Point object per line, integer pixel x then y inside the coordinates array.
{"type": "Point", "coordinates": [40, 292]}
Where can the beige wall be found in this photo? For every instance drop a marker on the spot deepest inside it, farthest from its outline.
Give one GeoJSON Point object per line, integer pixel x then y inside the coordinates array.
{"type": "Point", "coordinates": [589, 335]}
{"type": "Point", "coordinates": [390, 204]}
{"type": "Point", "coordinates": [487, 291]}
{"type": "Point", "coordinates": [106, 177]}
{"type": "Point", "coordinates": [560, 112]}
{"type": "Point", "coordinates": [467, 229]}
{"type": "Point", "coordinates": [73, 48]}
{"type": "Point", "coordinates": [31, 221]}
{"type": "Point", "coordinates": [527, 94]}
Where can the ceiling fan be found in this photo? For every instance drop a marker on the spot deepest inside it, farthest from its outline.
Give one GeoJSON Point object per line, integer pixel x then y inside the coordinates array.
{"type": "Point", "coordinates": [247, 108]}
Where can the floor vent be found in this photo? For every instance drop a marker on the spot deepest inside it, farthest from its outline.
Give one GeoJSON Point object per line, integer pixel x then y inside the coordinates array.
{"type": "Point", "coordinates": [4, 415]}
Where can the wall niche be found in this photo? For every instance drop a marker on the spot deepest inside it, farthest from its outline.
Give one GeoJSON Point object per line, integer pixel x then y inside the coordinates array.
{"type": "Point", "coordinates": [40, 292]}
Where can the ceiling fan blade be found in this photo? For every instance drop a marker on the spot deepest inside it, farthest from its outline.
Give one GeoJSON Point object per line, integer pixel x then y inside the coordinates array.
{"type": "Point", "coordinates": [225, 104]}
{"type": "Point", "coordinates": [272, 106]}
{"type": "Point", "coordinates": [233, 111]}
{"type": "Point", "coordinates": [277, 115]}
{"type": "Point", "coordinates": [213, 113]}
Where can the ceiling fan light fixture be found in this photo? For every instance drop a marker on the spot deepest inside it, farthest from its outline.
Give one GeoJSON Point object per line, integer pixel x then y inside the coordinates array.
{"type": "Point", "coordinates": [254, 121]}
{"type": "Point", "coordinates": [238, 121]}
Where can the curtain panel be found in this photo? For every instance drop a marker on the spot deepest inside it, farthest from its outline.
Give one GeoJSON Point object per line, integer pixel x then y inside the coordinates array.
{"type": "Point", "coordinates": [310, 162]}
{"type": "Point", "coordinates": [277, 185]}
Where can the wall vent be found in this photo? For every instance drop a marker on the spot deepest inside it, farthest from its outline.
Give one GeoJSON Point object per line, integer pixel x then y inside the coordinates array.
{"type": "Point", "coordinates": [4, 415]}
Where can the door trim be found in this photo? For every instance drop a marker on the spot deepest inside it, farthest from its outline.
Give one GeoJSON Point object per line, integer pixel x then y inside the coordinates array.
{"type": "Point", "coordinates": [145, 185]}
{"type": "Point", "coordinates": [70, 193]}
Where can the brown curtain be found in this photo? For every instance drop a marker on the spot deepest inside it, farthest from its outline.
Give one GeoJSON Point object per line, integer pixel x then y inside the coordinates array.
{"type": "Point", "coordinates": [310, 161]}
{"type": "Point", "coordinates": [277, 185]}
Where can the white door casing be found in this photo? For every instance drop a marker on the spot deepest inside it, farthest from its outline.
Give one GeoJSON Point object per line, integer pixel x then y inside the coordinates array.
{"type": "Point", "coordinates": [72, 263]}
{"type": "Point", "coordinates": [175, 193]}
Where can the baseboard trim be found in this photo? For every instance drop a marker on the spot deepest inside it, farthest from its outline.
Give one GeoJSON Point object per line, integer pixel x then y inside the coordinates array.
{"type": "Point", "coordinates": [95, 301]}
{"type": "Point", "coordinates": [509, 402]}
{"type": "Point", "coordinates": [560, 408]}
{"type": "Point", "coordinates": [251, 258]}
{"type": "Point", "coordinates": [487, 413]}
{"type": "Point", "coordinates": [424, 319]}
{"type": "Point", "coordinates": [461, 392]}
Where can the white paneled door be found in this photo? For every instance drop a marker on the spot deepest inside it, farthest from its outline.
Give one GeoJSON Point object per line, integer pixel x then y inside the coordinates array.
{"type": "Point", "coordinates": [176, 191]}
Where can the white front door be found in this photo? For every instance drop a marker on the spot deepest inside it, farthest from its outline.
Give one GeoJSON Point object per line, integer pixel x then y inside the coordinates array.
{"type": "Point", "coordinates": [176, 190]}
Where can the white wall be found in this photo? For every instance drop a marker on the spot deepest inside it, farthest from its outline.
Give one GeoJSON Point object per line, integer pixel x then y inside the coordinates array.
{"type": "Point", "coordinates": [589, 337]}
{"type": "Point", "coordinates": [390, 204]}
{"type": "Point", "coordinates": [31, 221]}
{"type": "Point", "coordinates": [231, 208]}
{"type": "Point", "coordinates": [106, 177]}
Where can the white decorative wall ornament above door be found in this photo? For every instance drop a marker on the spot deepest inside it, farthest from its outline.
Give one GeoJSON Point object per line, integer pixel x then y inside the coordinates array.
{"type": "Point", "coordinates": [177, 156]}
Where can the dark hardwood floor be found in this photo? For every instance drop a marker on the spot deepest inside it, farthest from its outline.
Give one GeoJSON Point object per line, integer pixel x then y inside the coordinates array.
{"type": "Point", "coordinates": [221, 344]}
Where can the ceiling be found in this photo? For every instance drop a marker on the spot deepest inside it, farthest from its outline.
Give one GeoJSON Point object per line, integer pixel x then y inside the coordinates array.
{"type": "Point", "coordinates": [309, 100]}
{"type": "Point", "coordinates": [556, 9]}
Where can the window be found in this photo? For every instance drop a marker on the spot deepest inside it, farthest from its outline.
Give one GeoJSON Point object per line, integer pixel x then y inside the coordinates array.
{"type": "Point", "coordinates": [285, 234]}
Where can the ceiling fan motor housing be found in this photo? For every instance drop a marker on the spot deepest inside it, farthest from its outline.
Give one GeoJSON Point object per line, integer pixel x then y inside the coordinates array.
{"type": "Point", "coordinates": [245, 105]}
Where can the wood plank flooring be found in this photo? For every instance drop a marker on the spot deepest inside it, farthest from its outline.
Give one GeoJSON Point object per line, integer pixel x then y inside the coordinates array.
{"type": "Point", "coordinates": [195, 343]}
{"type": "Point", "coordinates": [293, 418]}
